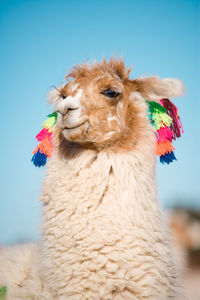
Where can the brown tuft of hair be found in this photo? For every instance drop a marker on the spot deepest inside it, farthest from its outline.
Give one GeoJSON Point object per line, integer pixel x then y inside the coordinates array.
{"type": "Point", "coordinates": [114, 65]}
{"type": "Point", "coordinates": [119, 67]}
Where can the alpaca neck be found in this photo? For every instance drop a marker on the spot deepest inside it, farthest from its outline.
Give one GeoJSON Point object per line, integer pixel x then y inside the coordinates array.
{"type": "Point", "coordinates": [86, 180]}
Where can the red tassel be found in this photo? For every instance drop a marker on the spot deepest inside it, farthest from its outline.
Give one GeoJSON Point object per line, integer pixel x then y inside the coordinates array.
{"type": "Point", "coordinates": [176, 126]}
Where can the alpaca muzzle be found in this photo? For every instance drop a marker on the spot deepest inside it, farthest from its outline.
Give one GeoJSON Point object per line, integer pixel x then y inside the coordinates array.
{"type": "Point", "coordinates": [69, 111]}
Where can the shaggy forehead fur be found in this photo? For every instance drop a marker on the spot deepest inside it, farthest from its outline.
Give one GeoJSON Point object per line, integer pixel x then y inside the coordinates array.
{"type": "Point", "coordinates": [115, 68]}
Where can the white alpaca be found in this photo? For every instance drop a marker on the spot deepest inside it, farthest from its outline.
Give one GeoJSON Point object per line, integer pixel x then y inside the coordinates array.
{"type": "Point", "coordinates": [103, 234]}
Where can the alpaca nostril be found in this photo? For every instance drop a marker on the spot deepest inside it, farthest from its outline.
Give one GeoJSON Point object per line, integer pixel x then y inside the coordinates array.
{"type": "Point", "coordinates": [61, 113]}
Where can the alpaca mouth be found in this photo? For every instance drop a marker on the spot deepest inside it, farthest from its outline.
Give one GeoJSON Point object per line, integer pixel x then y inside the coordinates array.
{"type": "Point", "coordinates": [73, 127]}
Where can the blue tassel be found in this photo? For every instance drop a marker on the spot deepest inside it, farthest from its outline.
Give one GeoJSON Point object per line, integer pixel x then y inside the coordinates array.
{"type": "Point", "coordinates": [167, 158]}
{"type": "Point", "coordinates": [39, 159]}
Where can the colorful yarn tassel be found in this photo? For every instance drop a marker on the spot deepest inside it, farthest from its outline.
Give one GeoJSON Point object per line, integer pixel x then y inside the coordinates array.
{"type": "Point", "coordinates": [172, 111]}
{"type": "Point", "coordinates": [164, 134]}
{"type": "Point", "coordinates": [39, 159]}
{"type": "Point", "coordinates": [44, 149]}
{"type": "Point", "coordinates": [167, 158]}
{"type": "Point", "coordinates": [163, 116]}
{"type": "Point", "coordinates": [166, 121]}
{"type": "Point", "coordinates": [43, 134]}
{"type": "Point", "coordinates": [164, 148]}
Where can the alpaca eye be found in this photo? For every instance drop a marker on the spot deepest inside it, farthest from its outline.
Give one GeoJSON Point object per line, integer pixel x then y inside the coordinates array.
{"type": "Point", "coordinates": [110, 93]}
{"type": "Point", "coordinates": [63, 96]}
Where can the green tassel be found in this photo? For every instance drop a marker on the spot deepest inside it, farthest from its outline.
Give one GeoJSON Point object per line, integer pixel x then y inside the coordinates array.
{"type": "Point", "coordinates": [155, 107]}
{"type": "Point", "coordinates": [54, 114]}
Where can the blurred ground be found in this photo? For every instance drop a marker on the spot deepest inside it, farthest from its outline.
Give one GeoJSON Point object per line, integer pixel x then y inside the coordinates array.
{"type": "Point", "coordinates": [192, 284]}
{"type": "Point", "coordinates": [185, 229]}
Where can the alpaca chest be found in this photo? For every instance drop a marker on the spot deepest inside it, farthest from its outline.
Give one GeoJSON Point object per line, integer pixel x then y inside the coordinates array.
{"type": "Point", "coordinates": [102, 234]}
{"type": "Point", "coordinates": [101, 248]}
{"type": "Point", "coordinates": [95, 258]}
{"type": "Point", "coordinates": [112, 206]}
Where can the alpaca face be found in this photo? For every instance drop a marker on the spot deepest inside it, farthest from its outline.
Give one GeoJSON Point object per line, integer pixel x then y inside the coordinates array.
{"type": "Point", "coordinates": [99, 106]}
{"type": "Point", "coordinates": [93, 111]}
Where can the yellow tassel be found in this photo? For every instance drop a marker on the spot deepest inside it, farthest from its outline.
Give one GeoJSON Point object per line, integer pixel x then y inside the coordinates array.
{"type": "Point", "coordinates": [49, 124]}
{"type": "Point", "coordinates": [161, 119]}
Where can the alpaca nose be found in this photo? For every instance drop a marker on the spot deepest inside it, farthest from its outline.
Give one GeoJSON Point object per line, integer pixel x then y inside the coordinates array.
{"type": "Point", "coordinates": [66, 105]}
{"type": "Point", "coordinates": [66, 110]}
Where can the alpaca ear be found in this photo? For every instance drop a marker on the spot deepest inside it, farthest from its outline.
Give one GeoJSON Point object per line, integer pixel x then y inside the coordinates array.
{"type": "Point", "coordinates": [153, 88]}
{"type": "Point", "coordinates": [54, 95]}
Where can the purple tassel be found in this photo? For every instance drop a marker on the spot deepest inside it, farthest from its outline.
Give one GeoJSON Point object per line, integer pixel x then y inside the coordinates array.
{"type": "Point", "coordinates": [39, 159]}
{"type": "Point", "coordinates": [172, 111]}
{"type": "Point", "coordinates": [167, 158]}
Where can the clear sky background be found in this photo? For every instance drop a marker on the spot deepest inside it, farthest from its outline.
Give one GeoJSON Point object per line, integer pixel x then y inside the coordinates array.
{"type": "Point", "coordinates": [41, 40]}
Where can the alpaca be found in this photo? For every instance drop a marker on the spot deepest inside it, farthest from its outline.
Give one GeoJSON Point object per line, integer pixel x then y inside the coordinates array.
{"type": "Point", "coordinates": [103, 232]}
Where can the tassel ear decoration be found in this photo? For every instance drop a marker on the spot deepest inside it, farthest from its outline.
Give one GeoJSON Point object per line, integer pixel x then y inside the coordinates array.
{"type": "Point", "coordinates": [44, 149]}
{"type": "Point", "coordinates": [167, 124]}
{"type": "Point", "coordinates": [163, 116]}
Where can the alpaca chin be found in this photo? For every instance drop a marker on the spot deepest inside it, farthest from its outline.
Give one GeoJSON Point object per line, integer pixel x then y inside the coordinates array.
{"type": "Point", "coordinates": [75, 134]}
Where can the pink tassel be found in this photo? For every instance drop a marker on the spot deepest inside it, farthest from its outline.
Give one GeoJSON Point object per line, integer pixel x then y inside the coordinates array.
{"type": "Point", "coordinates": [43, 134]}
{"type": "Point", "coordinates": [164, 134]}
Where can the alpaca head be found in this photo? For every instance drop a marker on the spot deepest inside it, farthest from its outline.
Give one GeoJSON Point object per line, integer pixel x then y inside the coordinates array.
{"type": "Point", "coordinates": [98, 106]}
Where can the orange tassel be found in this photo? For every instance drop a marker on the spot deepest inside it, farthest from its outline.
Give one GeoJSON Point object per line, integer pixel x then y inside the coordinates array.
{"type": "Point", "coordinates": [44, 147]}
{"type": "Point", "coordinates": [164, 147]}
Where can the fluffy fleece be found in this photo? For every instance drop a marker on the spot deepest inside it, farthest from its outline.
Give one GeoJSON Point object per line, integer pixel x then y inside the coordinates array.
{"type": "Point", "coordinates": [103, 234]}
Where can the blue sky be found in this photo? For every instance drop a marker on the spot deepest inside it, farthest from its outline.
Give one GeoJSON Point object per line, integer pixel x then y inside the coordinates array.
{"type": "Point", "coordinates": [41, 40]}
